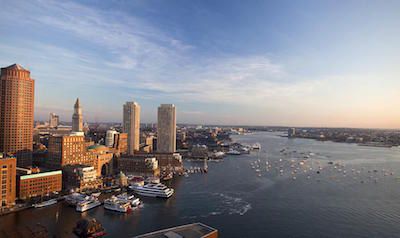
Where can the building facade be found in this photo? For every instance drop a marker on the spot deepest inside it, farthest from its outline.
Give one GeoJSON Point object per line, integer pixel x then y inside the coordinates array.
{"type": "Point", "coordinates": [54, 120]}
{"type": "Point", "coordinates": [104, 159]}
{"type": "Point", "coordinates": [110, 135]}
{"type": "Point", "coordinates": [139, 166]}
{"type": "Point", "coordinates": [39, 184]}
{"type": "Point", "coordinates": [77, 118]}
{"type": "Point", "coordinates": [166, 128]}
{"type": "Point", "coordinates": [69, 150]}
{"type": "Point", "coordinates": [16, 113]}
{"type": "Point", "coordinates": [8, 167]}
{"type": "Point", "coordinates": [80, 177]}
{"type": "Point", "coordinates": [121, 144]}
{"type": "Point", "coordinates": [131, 125]}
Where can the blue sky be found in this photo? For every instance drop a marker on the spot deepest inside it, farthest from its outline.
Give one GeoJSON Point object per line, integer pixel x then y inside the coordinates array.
{"type": "Point", "coordinates": [297, 63]}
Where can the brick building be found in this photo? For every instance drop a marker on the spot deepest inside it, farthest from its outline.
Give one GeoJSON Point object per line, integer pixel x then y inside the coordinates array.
{"type": "Point", "coordinates": [69, 150]}
{"type": "Point", "coordinates": [8, 167]}
{"type": "Point", "coordinates": [39, 184]}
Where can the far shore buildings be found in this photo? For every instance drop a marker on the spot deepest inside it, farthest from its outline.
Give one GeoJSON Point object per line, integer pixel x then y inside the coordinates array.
{"type": "Point", "coordinates": [16, 113]}
{"type": "Point", "coordinates": [131, 125]}
{"type": "Point", "coordinates": [8, 167]}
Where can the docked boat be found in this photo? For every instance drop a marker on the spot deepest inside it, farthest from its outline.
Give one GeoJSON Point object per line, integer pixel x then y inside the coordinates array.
{"type": "Point", "coordinates": [154, 190]}
{"type": "Point", "coordinates": [131, 198]}
{"type": "Point", "coordinates": [88, 204]}
{"type": "Point", "coordinates": [45, 203]}
{"type": "Point", "coordinates": [116, 204]}
{"type": "Point", "coordinates": [75, 198]}
{"type": "Point", "coordinates": [233, 152]}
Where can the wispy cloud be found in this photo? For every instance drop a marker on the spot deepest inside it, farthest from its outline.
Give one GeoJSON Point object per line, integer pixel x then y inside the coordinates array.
{"type": "Point", "coordinates": [82, 49]}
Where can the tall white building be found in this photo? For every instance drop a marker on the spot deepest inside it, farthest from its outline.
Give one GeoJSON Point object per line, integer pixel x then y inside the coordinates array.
{"type": "Point", "coordinates": [166, 128]}
{"type": "Point", "coordinates": [110, 137]}
{"type": "Point", "coordinates": [54, 120]}
{"type": "Point", "coordinates": [77, 118]}
{"type": "Point", "coordinates": [131, 125]}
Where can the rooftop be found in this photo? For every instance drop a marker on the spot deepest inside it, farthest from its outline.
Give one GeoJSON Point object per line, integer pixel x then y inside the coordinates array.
{"type": "Point", "coordinates": [15, 66]}
{"type": "Point", "coordinates": [194, 230]}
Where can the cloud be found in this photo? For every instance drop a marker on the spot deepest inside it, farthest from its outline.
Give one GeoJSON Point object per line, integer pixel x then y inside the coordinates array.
{"type": "Point", "coordinates": [111, 57]}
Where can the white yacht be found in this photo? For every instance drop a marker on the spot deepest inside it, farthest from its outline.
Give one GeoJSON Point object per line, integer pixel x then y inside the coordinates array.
{"type": "Point", "coordinates": [256, 146]}
{"type": "Point", "coordinates": [135, 202]}
{"type": "Point", "coordinates": [116, 204]}
{"type": "Point", "coordinates": [233, 152]}
{"type": "Point", "coordinates": [45, 203]}
{"type": "Point", "coordinates": [154, 190]}
{"type": "Point", "coordinates": [88, 204]}
{"type": "Point", "coordinates": [75, 198]}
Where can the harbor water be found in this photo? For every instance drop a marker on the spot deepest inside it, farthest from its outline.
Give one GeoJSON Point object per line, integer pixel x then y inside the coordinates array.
{"type": "Point", "coordinates": [310, 189]}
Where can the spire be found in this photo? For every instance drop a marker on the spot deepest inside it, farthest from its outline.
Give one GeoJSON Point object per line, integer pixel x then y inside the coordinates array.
{"type": "Point", "coordinates": [77, 104]}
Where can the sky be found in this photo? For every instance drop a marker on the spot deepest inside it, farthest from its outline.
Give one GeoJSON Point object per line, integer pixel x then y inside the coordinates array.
{"type": "Point", "coordinates": [288, 63]}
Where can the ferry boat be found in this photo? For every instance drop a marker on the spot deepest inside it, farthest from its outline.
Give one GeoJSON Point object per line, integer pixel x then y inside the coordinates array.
{"type": "Point", "coordinates": [116, 204]}
{"type": "Point", "coordinates": [154, 190]}
{"type": "Point", "coordinates": [131, 198]}
{"type": "Point", "coordinates": [45, 203]}
{"type": "Point", "coordinates": [75, 198]}
{"type": "Point", "coordinates": [88, 204]}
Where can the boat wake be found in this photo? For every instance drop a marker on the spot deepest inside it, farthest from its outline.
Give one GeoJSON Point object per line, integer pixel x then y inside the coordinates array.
{"type": "Point", "coordinates": [223, 204]}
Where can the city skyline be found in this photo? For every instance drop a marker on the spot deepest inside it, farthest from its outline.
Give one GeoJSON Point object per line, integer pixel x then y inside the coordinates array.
{"type": "Point", "coordinates": [265, 63]}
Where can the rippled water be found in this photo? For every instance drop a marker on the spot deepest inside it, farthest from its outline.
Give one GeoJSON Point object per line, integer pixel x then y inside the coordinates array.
{"type": "Point", "coordinates": [239, 203]}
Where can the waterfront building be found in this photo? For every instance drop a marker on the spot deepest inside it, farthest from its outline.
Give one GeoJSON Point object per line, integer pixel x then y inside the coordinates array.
{"type": "Point", "coordinates": [16, 113]}
{"type": "Point", "coordinates": [54, 120]}
{"type": "Point", "coordinates": [139, 166]}
{"type": "Point", "coordinates": [103, 159]}
{"type": "Point", "coordinates": [121, 144]}
{"type": "Point", "coordinates": [31, 184]}
{"type": "Point", "coordinates": [69, 150]}
{"type": "Point", "coordinates": [131, 125]}
{"type": "Point", "coordinates": [194, 230]}
{"type": "Point", "coordinates": [167, 162]}
{"type": "Point", "coordinates": [166, 128]}
{"type": "Point", "coordinates": [170, 162]}
{"type": "Point", "coordinates": [77, 118]}
{"type": "Point", "coordinates": [80, 177]}
{"type": "Point", "coordinates": [8, 167]}
{"type": "Point", "coordinates": [110, 135]}
{"type": "Point", "coordinates": [291, 132]}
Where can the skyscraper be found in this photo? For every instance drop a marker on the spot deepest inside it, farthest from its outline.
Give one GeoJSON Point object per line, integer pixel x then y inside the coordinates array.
{"type": "Point", "coordinates": [77, 119]}
{"type": "Point", "coordinates": [53, 120]}
{"type": "Point", "coordinates": [166, 128]}
{"type": "Point", "coordinates": [16, 113]}
{"type": "Point", "coordinates": [131, 125]}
